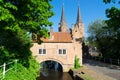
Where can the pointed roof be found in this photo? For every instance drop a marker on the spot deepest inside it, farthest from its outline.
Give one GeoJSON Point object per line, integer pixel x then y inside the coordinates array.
{"type": "Point", "coordinates": [63, 20]}
{"type": "Point", "coordinates": [79, 19]}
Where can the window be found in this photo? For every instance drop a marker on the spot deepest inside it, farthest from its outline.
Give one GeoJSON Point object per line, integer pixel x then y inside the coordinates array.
{"type": "Point", "coordinates": [42, 51]}
{"type": "Point", "coordinates": [62, 51]}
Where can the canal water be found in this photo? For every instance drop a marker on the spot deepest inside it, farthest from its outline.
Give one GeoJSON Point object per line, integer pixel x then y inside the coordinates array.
{"type": "Point", "coordinates": [52, 70]}
{"type": "Point", "coordinates": [54, 75]}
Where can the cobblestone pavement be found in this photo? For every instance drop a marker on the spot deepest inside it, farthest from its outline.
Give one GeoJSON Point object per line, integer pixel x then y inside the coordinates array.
{"type": "Point", "coordinates": [103, 69]}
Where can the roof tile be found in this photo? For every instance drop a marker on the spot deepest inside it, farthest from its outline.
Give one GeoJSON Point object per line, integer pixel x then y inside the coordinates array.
{"type": "Point", "coordinates": [59, 37]}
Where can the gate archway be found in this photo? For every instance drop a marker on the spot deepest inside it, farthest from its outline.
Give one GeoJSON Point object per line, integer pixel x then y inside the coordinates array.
{"type": "Point", "coordinates": [51, 65]}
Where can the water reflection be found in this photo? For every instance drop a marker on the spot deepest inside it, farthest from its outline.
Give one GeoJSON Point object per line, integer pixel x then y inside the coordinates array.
{"type": "Point", "coordinates": [52, 70]}
{"type": "Point", "coordinates": [54, 75]}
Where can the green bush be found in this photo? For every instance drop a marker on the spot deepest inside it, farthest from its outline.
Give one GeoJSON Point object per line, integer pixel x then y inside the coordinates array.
{"type": "Point", "coordinates": [22, 73]}
{"type": "Point", "coordinates": [76, 63]}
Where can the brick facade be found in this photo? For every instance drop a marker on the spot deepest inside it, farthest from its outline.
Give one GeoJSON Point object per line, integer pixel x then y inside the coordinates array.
{"type": "Point", "coordinates": [71, 42]}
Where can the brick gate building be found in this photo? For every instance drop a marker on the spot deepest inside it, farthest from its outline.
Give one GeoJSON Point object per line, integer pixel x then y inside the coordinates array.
{"type": "Point", "coordinates": [62, 46]}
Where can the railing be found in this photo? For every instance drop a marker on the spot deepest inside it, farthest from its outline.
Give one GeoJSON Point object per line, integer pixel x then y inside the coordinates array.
{"type": "Point", "coordinates": [105, 60]}
{"type": "Point", "coordinates": [4, 68]}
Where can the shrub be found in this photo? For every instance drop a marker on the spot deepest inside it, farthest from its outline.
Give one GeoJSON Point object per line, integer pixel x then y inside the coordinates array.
{"type": "Point", "coordinates": [76, 63]}
{"type": "Point", "coordinates": [22, 73]}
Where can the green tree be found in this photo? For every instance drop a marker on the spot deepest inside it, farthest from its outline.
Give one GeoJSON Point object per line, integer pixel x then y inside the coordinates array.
{"type": "Point", "coordinates": [113, 22]}
{"type": "Point", "coordinates": [19, 18]}
{"type": "Point", "coordinates": [100, 37]}
{"type": "Point", "coordinates": [106, 36]}
{"type": "Point", "coordinates": [111, 1]}
{"type": "Point", "coordinates": [96, 32]}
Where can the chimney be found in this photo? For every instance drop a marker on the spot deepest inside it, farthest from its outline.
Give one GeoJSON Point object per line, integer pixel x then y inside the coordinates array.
{"type": "Point", "coordinates": [51, 29]}
{"type": "Point", "coordinates": [51, 33]}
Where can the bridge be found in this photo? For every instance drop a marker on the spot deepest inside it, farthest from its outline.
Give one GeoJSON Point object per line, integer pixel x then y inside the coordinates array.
{"type": "Point", "coordinates": [63, 53]}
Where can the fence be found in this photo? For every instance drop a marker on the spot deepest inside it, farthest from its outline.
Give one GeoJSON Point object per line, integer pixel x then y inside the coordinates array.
{"type": "Point", "coordinates": [105, 60]}
{"type": "Point", "coordinates": [5, 68]}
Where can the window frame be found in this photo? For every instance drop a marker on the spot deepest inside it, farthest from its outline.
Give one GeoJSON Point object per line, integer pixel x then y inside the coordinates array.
{"type": "Point", "coordinates": [43, 51]}
{"type": "Point", "coordinates": [65, 51]}
{"type": "Point", "coordinates": [62, 51]}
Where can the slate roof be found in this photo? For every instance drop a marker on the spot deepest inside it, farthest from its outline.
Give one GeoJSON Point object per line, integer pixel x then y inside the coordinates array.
{"type": "Point", "coordinates": [63, 20]}
{"type": "Point", "coordinates": [79, 18]}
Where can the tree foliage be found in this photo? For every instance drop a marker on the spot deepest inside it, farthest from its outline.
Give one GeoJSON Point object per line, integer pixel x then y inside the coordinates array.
{"type": "Point", "coordinates": [17, 18]}
{"type": "Point", "coordinates": [20, 72]}
{"type": "Point", "coordinates": [113, 22]}
{"type": "Point", "coordinates": [100, 37]}
{"type": "Point", "coordinates": [108, 43]}
{"type": "Point", "coordinates": [111, 1]}
{"type": "Point", "coordinates": [96, 32]}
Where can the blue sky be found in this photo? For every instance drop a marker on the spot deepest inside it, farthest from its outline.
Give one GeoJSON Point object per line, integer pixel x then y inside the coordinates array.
{"type": "Point", "coordinates": [90, 11]}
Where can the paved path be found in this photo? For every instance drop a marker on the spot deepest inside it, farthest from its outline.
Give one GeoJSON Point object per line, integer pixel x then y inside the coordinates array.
{"type": "Point", "coordinates": [102, 68]}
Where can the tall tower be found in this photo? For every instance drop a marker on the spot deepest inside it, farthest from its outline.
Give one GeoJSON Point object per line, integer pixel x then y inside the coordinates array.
{"type": "Point", "coordinates": [78, 36]}
{"type": "Point", "coordinates": [79, 19]}
{"type": "Point", "coordinates": [78, 28]}
{"type": "Point", "coordinates": [63, 27]}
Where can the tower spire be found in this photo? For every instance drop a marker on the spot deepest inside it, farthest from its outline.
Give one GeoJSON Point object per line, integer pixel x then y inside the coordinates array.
{"type": "Point", "coordinates": [63, 24]}
{"type": "Point", "coordinates": [79, 19]}
{"type": "Point", "coordinates": [63, 20]}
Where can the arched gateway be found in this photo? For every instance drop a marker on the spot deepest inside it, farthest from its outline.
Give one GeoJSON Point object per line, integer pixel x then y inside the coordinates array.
{"type": "Point", "coordinates": [51, 65]}
{"type": "Point", "coordinates": [51, 59]}
{"type": "Point", "coordinates": [61, 46]}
